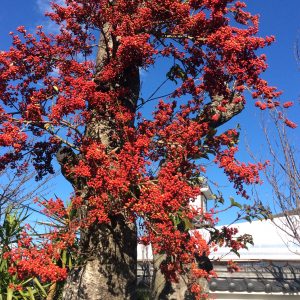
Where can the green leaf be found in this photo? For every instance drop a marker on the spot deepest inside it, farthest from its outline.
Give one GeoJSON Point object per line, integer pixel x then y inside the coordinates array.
{"type": "Point", "coordinates": [176, 72]}
{"type": "Point", "coordinates": [3, 264]}
{"type": "Point", "coordinates": [220, 199]}
{"type": "Point", "coordinates": [70, 264]}
{"type": "Point", "coordinates": [36, 281]}
{"type": "Point", "coordinates": [177, 221]}
{"type": "Point", "coordinates": [235, 252]}
{"type": "Point", "coordinates": [9, 293]}
{"type": "Point", "coordinates": [234, 203]}
{"type": "Point", "coordinates": [64, 258]}
{"type": "Point", "coordinates": [248, 219]}
{"type": "Point", "coordinates": [188, 224]}
{"type": "Point", "coordinates": [55, 88]}
{"type": "Point", "coordinates": [205, 155]}
{"type": "Point", "coordinates": [31, 295]}
{"type": "Point", "coordinates": [26, 281]}
{"type": "Point", "coordinates": [23, 294]}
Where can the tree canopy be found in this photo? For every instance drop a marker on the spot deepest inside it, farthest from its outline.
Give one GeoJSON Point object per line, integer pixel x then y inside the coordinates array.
{"type": "Point", "coordinates": [69, 97]}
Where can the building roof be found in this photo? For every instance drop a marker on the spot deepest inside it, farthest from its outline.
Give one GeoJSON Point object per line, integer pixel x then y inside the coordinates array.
{"type": "Point", "coordinates": [270, 243]}
{"type": "Point", "coordinates": [270, 269]}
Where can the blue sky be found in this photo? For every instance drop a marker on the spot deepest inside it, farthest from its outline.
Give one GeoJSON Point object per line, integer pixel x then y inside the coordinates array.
{"type": "Point", "coordinates": [279, 18]}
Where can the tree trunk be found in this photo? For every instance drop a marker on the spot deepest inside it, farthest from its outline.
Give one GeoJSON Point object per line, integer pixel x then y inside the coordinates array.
{"type": "Point", "coordinates": [108, 251]}
{"type": "Point", "coordinates": [108, 270]}
{"type": "Point", "coordinates": [164, 290]}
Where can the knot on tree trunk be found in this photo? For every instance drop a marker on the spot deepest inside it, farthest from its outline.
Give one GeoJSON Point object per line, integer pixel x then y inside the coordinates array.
{"type": "Point", "coordinates": [67, 159]}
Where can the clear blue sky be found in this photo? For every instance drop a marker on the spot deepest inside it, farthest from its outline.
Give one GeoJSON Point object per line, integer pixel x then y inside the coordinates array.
{"type": "Point", "coordinates": [279, 18]}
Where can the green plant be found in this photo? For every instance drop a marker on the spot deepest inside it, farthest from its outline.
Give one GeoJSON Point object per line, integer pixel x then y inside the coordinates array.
{"type": "Point", "coordinates": [11, 286]}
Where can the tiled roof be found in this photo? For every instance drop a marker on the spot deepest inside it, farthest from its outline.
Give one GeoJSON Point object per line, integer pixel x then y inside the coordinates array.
{"type": "Point", "coordinates": [266, 277]}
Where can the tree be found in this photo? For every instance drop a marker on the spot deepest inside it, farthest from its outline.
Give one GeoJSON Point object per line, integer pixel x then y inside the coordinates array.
{"type": "Point", "coordinates": [283, 175]}
{"type": "Point", "coordinates": [17, 189]}
{"type": "Point", "coordinates": [29, 267]}
{"type": "Point", "coordinates": [58, 103]}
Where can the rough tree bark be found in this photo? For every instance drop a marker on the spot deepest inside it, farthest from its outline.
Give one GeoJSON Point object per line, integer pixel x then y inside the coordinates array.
{"type": "Point", "coordinates": [108, 270]}
{"type": "Point", "coordinates": [162, 289]}
{"type": "Point", "coordinates": [108, 267]}
{"type": "Point", "coordinates": [217, 61]}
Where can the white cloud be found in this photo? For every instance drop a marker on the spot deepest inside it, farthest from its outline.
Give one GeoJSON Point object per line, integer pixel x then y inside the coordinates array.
{"type": "Point", "coordinates": [45, 6]}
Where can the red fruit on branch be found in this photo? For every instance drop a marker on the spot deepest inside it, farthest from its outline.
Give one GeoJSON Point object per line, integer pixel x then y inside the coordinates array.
{"type": "Point", "coordinates": [82, 110]}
